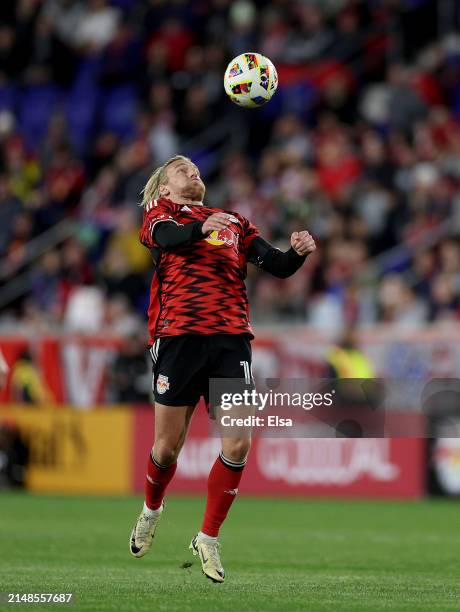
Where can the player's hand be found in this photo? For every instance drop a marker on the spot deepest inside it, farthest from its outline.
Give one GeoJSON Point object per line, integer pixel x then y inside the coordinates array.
{"type": "Point", "coordinates": [302, 243]}
{"type": "Point", "coordinates": [217, 221]}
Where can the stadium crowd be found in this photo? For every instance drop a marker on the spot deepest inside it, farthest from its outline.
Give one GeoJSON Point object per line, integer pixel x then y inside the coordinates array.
{"type": "Point", "coordinates": [361, 145]}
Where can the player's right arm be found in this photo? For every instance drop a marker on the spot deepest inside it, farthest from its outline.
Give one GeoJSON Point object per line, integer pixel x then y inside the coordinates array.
{"type": "Point", "coordinates": [169, 235]}
{"type": "Point", "coordinates": [160, 229]}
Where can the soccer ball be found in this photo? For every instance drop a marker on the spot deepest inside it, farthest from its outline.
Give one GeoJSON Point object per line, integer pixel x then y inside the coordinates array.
{"type": "Point", "coordinates": [250, 80]}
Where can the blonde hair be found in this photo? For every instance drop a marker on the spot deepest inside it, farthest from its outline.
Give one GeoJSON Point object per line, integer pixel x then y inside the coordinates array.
{"type": "Point", "coordinates": [159, 177]}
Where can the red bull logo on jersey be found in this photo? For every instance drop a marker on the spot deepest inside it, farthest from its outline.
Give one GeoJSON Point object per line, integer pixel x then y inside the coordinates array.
{"type": "Point", "coordinates": [223, 236]}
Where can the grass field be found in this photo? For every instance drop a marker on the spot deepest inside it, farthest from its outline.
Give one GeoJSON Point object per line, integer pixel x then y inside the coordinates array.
{"type": "Point", "coordinates": [278, 554]}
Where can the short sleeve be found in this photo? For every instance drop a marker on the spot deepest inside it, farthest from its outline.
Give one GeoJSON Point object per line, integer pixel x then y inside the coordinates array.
{"type": "Point", "coordinates": [157, 211]}
{"type": "Point", "coordinates": [250, 232]}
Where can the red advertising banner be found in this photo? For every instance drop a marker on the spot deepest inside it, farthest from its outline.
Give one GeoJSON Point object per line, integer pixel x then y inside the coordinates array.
{"type": "Point", "coordinates": [68, 454]}
{"type": "Point", "coordinates": [358, 467]}
{"type": "Point", "coordinates": [73, 367]}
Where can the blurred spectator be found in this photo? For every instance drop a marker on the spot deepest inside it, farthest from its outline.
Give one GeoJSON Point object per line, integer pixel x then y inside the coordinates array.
{"type": "Point", "coordinates": [97, 25]}
{"type": "Point", "coordinates": [10, 64]}
{"type": "Point", "coordinates": [400, 305]}
{"type": "Point", "coordinates": [346, 360]}
{"type": "Point", "coordinates": [27, 384]}
{"type": "Point", "coordinates": [10, 206]}
{"type": "Point", "coordinates": [46, 283]}
{"type": "Point", "coordinates": [163, 140]}
{"type": "Point", "coordinates": [173, 39]}
{"type": "Point", "coordinates": [23, 169]}
{"type": "Point", "coordinates": [117, 277]}
{"type": "Point", "coordinates": [4, 369]}
{"type": "Point", "coordinates": [361, 145]}
{"type": "Point", "coordinates": [130, 377]}
{"type": "Point", "coordinates": [242, 17]}
{"type": "Point", "coordinates": [66, 16]}
{"type": "Point", "coordinates": [349, 38]}
{"type": "Point", "coordinates": [405, 107]}
{"type": "Point", "coordinates": [337, 165]}
{"type": "Point", "coordinates": [125, 239]}
{"type": "Point", "coordinates": [120, 61]}
{"type": "Point", "coordinates": [14, 457]}
{"type": "Point", "coordinates": [85, 310]}
{"type": "Point", "coordinates": [120, 319]}
{"type": "Point", "coordinates": [64, 181]}
{"type": "Point", "coordinates": [51, 59]}
{"type": "Point", "coordinates": [313, 39]}
{"type": "Point", "coordinates": [444, 299]}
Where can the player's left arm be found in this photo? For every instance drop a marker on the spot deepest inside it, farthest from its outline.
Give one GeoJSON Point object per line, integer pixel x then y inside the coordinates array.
{"type": "Point", "coordinates": [281, 264]}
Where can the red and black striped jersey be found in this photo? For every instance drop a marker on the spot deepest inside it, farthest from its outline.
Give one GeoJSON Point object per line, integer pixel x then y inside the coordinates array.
{"type": "Point", "coordinates": [198, 288]}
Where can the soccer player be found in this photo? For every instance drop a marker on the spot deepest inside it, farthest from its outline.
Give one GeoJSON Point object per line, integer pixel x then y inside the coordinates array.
{"type": "Point", "coordinates": [199, 329]}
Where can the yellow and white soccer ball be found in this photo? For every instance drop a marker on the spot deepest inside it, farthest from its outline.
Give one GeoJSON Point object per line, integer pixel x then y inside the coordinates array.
{"type": "Point", "coordinates": [250, 80]}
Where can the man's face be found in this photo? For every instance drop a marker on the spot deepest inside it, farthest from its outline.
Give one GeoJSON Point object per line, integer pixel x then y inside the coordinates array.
{"type": "Point", "coordinates": [184, 181]}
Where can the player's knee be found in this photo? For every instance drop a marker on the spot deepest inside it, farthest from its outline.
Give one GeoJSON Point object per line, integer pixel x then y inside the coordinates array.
{"type": "Point", "coordinates": [165, 454]}
{"type": "Point", "coordinates": [236, 449]}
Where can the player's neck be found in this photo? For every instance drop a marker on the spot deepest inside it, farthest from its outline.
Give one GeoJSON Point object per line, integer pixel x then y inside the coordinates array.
{"type": "Point", "coordinates": [184, 200]}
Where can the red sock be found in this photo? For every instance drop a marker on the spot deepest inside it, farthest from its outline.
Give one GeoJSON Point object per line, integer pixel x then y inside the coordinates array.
{"type": "Point", "coordinates": [223, 482]}
{"type": "Point", "coordinates": [157, 479]}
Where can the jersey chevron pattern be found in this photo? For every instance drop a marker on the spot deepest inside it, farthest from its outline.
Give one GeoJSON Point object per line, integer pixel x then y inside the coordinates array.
{"type": "Point", "coordinates": [198, 288]}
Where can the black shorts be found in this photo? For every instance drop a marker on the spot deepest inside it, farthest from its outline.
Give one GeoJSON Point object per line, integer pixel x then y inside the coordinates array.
{"type": "Point", "coordinates": [183, 365]}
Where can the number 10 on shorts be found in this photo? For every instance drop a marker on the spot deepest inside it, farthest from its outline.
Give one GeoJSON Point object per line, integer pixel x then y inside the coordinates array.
{"type": "Point", "coordinates": [247, 372]}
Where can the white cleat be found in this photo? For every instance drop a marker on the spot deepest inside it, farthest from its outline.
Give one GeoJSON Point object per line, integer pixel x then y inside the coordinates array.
{"type": "Point", "coordinates": [208, 551]}
{"type": "Point", "coordinates": [143, 533]}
